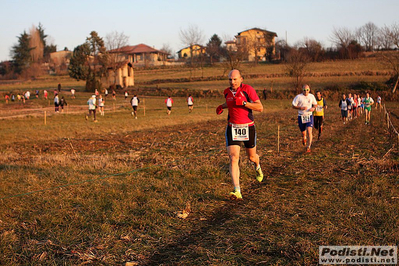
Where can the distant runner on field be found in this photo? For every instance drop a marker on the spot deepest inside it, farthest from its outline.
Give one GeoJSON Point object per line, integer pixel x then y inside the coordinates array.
{"type": "Point", "coordinates": [368, 102]}
{"type": "Point", "coordinates": [190, 103]}
{"type": "Point", "coordinates": [101, 104]}
{"type": "Point", "coordinates": [169, 104]}
{"type": "Point", "coordinates": [134, 101]}
{"type": "Point", "coordinates": [56, 103]}
{"type": "Point", "coordinates": [343, 104]}
{"type": "Point", "coordinates": [305, 103]}
{"type": "Point", "coordinates": [350, 106]}
{"type": "Point", "coordinates": [241, 100]}
{"type": "Point", "coordinates": [378, 103]}
{"type": "Point", "coordinates": [92, 102]}
{"type": "Point", "coordinates": [360, 105]}
{"type": "Point", "coordinates": [355, 105]}
{"type": "Point", "coordinates": [63, 103]}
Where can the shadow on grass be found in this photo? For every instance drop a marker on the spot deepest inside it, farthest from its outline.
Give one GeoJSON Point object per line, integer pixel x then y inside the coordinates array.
{"type": "Point", "coordinates": [220, 227]}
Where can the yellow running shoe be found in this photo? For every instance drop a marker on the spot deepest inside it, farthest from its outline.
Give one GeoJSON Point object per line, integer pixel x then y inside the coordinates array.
{"type": "Point", "coordinates": [235, 195]}
{"type": "Point", "coordinates": [259, 174]}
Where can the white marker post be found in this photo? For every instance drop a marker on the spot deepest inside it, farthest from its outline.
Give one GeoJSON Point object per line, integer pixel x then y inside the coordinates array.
{"type": "Point", "coordinates": [278, 139]}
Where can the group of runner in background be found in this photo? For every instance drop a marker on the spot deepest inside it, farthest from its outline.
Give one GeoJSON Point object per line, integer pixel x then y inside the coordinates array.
{"type": "Point", "coordinates": [311, 111]}
{"type": "Point", "coordinates": [354, 106]}
{"type": "Point", "coordinates": [97, 101]}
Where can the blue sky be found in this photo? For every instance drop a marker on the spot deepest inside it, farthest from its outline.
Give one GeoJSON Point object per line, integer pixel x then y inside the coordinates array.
{"type": "Point", "coordinates": [158, 22]}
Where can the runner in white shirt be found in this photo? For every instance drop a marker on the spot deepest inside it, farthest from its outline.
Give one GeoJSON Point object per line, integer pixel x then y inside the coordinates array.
{"type": "Point", "coordinates": [190, 103]}
{"type": "Point", "coordinates": [169, 104]}
{"type": "Point", "coordinates": [135, 103]}
{"type": "Point", "coordinates": [101, 103]}
{"type": "Point", "coordinates": [343, 104]}
{"type": "Point", "coordinates": [92, 102]}
{"type": "Point", "coordinates": [378, 103]}
{"type": "Point", "coordinates": [305, 103]}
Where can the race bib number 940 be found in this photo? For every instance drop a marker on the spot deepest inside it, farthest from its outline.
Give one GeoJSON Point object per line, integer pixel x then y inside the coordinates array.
{"type": "Point", "coordinates": [240, 132]}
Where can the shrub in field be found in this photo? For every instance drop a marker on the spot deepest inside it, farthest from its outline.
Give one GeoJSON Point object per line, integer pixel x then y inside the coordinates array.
{"type": "Point", "coordinates": [368, 86]}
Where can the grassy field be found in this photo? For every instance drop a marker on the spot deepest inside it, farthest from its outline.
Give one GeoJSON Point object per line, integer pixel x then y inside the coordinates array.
{"type": "Point", "coordinates": [340, 73]}
{"type": "Point", "coordinates": [75, 192]}
{"type": "Point", "coordinates": [360, 65]}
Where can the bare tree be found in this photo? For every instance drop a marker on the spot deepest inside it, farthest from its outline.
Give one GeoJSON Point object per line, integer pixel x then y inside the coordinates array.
{"type": "Point", "coordinates": [342, 37]}
{"type": "Point", "coordinates": [167, 50]}
{"type": "Point", "coordinates": [282, 50]}
{"type": "Point", "coordinates": [384, 38]}
{"type": "Point", "coordinates": [36, 43]}
{"type": "Point", "coordinates": [191, 36]}
{"type": "Point", "coordinates": [395, 34]}
{"type": "Point", "coordinates": [297, 62]}
{"type": "Point", "coordinates": [234, 57]}
{"type": "Point", "coordinates": [113, 42]}
{"type": "Point", "coordinates": [392, 60]}
{"type": "Point", "coordinates": [313, 48]}
{"type": "Point", "coordinates": [116, 40]}
{"type": "Point", "coordinates": [347, 43]}
{"type": "Point", "coordinates": [368, 35]}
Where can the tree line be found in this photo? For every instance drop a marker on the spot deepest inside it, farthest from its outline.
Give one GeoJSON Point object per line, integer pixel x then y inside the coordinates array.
{"type": "Point", "coordinates": [31, 51]}
{"type": "Point", "coordinates": [91, 59]}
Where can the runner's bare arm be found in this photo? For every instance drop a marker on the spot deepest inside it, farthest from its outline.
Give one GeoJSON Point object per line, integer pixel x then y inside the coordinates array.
{"type": "Point", "coordinates": [256, 106]}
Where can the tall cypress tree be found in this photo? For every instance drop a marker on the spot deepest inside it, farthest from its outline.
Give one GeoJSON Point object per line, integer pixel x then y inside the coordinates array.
{"type": "Point", "coordinates": [214, 48]}
{"type": "Point", "coordinates": [89, 62]}
{"type": "Point", "coordinates": [20, 53]}
{"type": "Point", "coordinates": [47, 48]}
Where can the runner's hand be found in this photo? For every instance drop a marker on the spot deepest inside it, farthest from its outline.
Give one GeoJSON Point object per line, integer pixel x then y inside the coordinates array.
{"type": "Point", "coordinates": [219, 109]}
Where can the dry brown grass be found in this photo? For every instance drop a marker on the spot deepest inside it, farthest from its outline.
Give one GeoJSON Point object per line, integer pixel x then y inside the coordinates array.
{"type": "Point", "coordinates": [95, 198]}
{"type": "Point", "coordinates": [74, 192]}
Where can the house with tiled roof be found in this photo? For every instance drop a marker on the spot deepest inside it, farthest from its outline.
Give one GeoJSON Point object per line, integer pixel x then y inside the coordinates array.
{"type": "Point", "coordinates": [141, 55]}
{"type": "Point", "coordinates": [124, 59]}
{"type": "Point", "coordinates": [257, 44]}
{"type": "Point", "coordinates": [191, 51]}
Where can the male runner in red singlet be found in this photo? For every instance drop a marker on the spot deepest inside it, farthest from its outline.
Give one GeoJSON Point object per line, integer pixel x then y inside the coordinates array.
{"type": "Point", "coordinates": [241, 100]}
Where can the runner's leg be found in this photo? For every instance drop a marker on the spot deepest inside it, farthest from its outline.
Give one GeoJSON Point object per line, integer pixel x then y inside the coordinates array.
{"type": "Point", "coordinates": [310, 136]}
{"type": "Point", "coordinates": [234, 154]}
{"type": "Point", "coordinates": [253, 156]}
